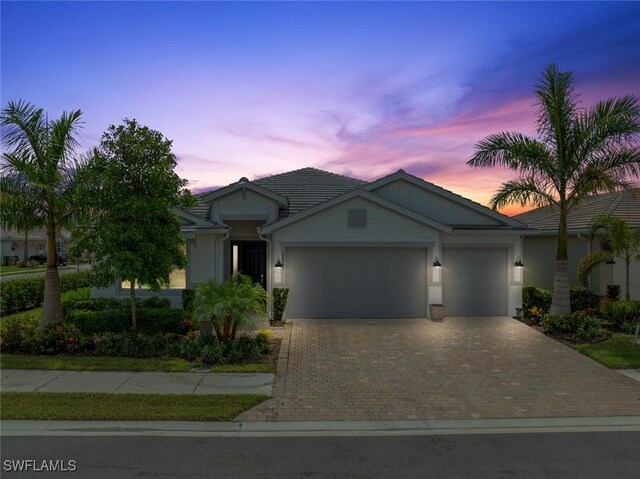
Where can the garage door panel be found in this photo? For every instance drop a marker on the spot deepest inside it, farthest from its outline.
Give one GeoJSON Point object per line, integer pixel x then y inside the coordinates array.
{"type": "Point", "coordinates": [356, 282]}
{"type": "Point", "coordinates": [474, 281]}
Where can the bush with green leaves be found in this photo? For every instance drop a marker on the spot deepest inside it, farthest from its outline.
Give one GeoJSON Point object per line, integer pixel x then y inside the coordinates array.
{"type": "Point", "coordinates": [581, 298]}
{"type": "Point", "coordinates": [20, 335]}
{"type": "Point", "coordinates": [279, 302]}
{"type": "Point", "coordinates": [621, 315]}
{"type": "Point", "coordinates": [133, 344]}
{"type": "Point", "coordinates": [150, 320]}
{"type": "Point", "coordinates": [22, 293]}
{"type": "Point", "coordinates": [579, 325]}
{"type": "Point", "coordinates": [538, 298]}
{"type": "Point", "coordinates": [66, 339]}
{"type": "Point", "coordinates": [613, 292]}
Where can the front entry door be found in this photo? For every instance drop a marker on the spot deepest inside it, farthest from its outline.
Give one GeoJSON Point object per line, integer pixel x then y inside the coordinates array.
{"type": "Point", "coordinates": [251, 260]}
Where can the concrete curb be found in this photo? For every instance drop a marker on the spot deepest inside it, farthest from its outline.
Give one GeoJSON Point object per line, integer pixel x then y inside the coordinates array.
{"type": "Point", "coordinates": [320, 428]}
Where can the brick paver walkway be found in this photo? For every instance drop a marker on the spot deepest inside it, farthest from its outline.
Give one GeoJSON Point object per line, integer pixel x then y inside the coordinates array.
{"type": "Point", "coordinates": [418, 369]}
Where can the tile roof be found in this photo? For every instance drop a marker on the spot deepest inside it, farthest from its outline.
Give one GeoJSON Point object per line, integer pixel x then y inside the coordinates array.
{"type": "Point", "coordinates": [308, 187]}
{"type": "Point", "coordinates": [621, 204]}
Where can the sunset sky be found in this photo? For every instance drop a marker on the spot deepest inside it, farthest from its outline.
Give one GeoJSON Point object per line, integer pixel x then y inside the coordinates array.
{"type": "Point", "coordinates": [363, 89]}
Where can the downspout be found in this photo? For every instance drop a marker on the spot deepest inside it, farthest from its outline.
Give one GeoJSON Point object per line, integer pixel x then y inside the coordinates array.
{"type": "Point", "coordinates": [225, 237]}
{"type": "Point", "coordinates": [269, 259]}
{"type": "Point", "coordinates": [588, 240]}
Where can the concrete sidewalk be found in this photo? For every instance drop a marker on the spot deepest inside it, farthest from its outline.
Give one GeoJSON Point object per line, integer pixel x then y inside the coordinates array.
{"type": "Point", "coordinates": [32, 380]}
{"type": "Point", "coordinates": [320, 428]}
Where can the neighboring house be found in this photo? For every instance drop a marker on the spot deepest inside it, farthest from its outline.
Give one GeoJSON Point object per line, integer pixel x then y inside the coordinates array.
{"type": "Point", "coordinates": [624, 205]}
{"type": "Point", "coordinates": [12, 244]}
{"type": "Point", "coordinates": [350, 249]}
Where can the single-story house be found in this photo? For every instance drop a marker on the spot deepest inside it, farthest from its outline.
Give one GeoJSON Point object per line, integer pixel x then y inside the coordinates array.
{"type": "Point", "coordinates": [541, 244]}
{"type": "Point", "coordinates": [12, 244]}
{"type": "Point", "coordinates": [347, 248]}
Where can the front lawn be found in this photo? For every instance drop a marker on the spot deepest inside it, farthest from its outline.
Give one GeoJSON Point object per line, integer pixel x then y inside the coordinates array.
{"type": "Point", "coordinates": [95, 363]}
{"type": "Point", "coordinates": [125, 407]}
{"type": "Point", "coordinates": [616, 352]}
{"type": "Point", "coordinates": [110, 363]}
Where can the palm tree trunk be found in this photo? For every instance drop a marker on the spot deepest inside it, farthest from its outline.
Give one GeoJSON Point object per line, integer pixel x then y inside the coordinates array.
{"type": "Point", "coordinates": [627, 293]}
{"type": "Point", "coordinates": [51, 304]}
{"type": "Point", "coordinates": [218, 332]}
{"type": "Point", "coordinates": [25, 256]}
{"type": "Point", "coordinates": [561, 302]}
{"type": "Point", "coordinates": [134, 323]}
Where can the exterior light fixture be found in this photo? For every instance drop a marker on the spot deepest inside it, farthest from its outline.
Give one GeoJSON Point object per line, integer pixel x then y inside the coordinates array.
{"type": "Point", "coordinates": [436, 263]}
{"type": "Point", "coordinates": [279, 264]}
{"type": "Point", "coordinates": [519, 262]}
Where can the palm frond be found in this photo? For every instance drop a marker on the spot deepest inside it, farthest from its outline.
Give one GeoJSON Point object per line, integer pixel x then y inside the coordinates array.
{"type": "Point", "coordinates": [522, 191]}
{"type": "Point", "coordinates": [589, 262]}
{"type": "Point", "coordinates": [512, 150]}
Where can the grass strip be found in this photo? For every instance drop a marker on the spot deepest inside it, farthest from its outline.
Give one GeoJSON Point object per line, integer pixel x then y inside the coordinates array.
{"type": "Point", "coordinates": [125, 407]}
{"type": "Point", "coordinates": [616, 352]}
{"type": "Point", "coordinates": [244, 368]}
{"type": "Point", "coordinates": [95, 363]}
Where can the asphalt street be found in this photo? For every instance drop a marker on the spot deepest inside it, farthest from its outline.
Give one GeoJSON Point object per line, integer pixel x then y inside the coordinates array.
{"type": "Point", "coordinates": [558, 455]}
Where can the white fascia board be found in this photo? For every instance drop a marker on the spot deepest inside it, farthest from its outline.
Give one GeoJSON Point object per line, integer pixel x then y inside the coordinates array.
{"type": "Point", "coordinates": [227, 190]}
{"type": "Point", "coordinates": [438, 190]}
{"type": "Point", "coordinates": [348, 196]}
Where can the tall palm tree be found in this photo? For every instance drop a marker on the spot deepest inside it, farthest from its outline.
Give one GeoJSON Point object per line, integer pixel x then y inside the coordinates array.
{"type": "Point", "coordinates": [579, 152]}
{"type": "Point", "coordinates": [620, 241]}
{"type": "Point", "coordinates": [39, 165]}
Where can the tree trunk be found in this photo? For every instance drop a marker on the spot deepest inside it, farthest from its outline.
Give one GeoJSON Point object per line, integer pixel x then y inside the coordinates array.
{"type": "Point", "coordinates": [25, 256]}
{"type": "Point", "coordinates": [134, 323]}
{"type": "Point", "coordinates": [52, 303]}
{"type": "Point", "coordinates": [627, 293]}
{"type": "Point", "coordinates": [561, 302]}
{"type": "Point", "coordinates": [218, 331]}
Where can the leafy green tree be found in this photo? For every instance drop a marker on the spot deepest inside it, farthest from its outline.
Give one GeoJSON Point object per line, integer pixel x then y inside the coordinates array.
{"type": "Point", "coordinates": [579, 152]}
{"type": "Point", "coordinates": [131, 191]}
{"type": "Point", "coordinates": [39, 169]}
{"type": "Point", "coordinates": [620, 241]}
{"type": "Point", "coordinates": [229, 305]}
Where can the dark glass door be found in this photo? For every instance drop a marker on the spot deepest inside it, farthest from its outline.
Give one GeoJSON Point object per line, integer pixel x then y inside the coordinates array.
{"type": "Point", "coordinates": [252, 260]}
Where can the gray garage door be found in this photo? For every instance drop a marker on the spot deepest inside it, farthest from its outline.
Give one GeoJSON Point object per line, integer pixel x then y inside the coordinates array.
{"type": "Point", "coordinates": [474, 281]}
{"type": "Point", "coordinates": [356, 282]}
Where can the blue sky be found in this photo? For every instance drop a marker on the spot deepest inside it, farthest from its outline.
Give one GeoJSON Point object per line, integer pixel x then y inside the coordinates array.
{"type": "Point", "coordinates": [250, 89]}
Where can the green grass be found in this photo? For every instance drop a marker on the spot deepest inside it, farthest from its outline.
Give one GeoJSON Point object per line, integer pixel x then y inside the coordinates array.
{"type": "Point", "coordinates": [95, 363]}
{"type": "Point", "coordinates": [16, 271]}
{"type": "Point", "coordinates": [244, 368]}
{"type": "Point", "coordinates": [125, 407]}
{"type": "Point", "coordinates": [616, 352]}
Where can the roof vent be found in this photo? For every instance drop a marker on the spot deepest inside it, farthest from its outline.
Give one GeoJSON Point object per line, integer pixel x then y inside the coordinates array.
{"type": "Point", "coordinates": [357, 219]}
{"type": "Point", "coordinates": [244, 179]}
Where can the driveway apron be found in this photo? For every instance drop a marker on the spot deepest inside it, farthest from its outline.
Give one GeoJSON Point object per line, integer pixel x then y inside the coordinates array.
{"type": "Point", "coordinates": [403, 369]}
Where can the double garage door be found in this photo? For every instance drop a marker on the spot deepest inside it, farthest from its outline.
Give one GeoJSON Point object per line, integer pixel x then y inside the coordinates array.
{"type": "Point", "coordinates": [334, 282]}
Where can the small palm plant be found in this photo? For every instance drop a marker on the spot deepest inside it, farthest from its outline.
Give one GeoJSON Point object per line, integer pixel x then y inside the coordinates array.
{"type": "Point", "coordinates": [620, 240]}
{"type": "Point", "coordinates": [229, 305]}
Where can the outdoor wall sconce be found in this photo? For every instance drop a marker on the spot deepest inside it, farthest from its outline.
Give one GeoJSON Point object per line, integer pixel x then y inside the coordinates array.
{"type": "Point", "coordinates": [519, 262]}
{"type": "Point", "coordinates": [517, 275]}
{"type": "Point", "coordinates": [437, 267]}
{"type": "Point", "coordinates": [436, 263]}
{"type": "Point", "coordinates": [277, 275]}
{"type": "Point", "coordinates": [279, 263]}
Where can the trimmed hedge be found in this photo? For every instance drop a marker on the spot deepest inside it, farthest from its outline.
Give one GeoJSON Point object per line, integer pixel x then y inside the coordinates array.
{"type": "Point", "coordinates": [104, 304]}
{"type": "Point", "coordinates": [581, 298]}
{"type": "Point", "coordinates": [149, 320]}
{"type": "Point", "coordinates": [22, 293]}
{"type": "Point", "coordinates": [579, 325]}
{"type": "Point", "coordinates": [623, 315]}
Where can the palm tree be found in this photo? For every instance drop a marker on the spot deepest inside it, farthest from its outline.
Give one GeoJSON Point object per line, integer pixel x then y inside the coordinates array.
{"type": "Point", "coordinates": [579, 152]}
{"type": "Point", "coordinates": [229, 304]}
{"type": "Point", "coordinates": [620, 241]}
{"type": "Point", "coordinates": [39, 166]}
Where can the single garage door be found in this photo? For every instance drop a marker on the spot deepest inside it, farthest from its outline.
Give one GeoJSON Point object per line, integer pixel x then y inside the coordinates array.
{"type": "Point", "coordinates": [356, 282]}
{"type": "Point", "coordinates": [474, 281]}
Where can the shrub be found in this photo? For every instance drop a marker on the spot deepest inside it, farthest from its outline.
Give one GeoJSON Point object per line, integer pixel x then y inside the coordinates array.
{"type": "Point", "coordinates": [150, 320]}
{"type": "Point", "coordinates": [21, 335]}
{"type": "Point", "coordinates": [538, 298]}
{"type": "Point", "coordinates": [279, 302]}
{"type": "Point", "coordinates": [578, 324]}
{"type": "Point", "coordinates": [211, 354]}
{"type": "Point", "coordinates": [581, 298]}
{"type": "Point", "coordinates": [262, 340]}
{"type": "Point", "coordinates": [187, 300]}
{"type": "Point", "coordinates": [191, 346]}
{"type": "Point", "coordinates": [160, 320]}
{"type": "Point", "coordinates": [136, 345]}
{"type": "Point", "coordinates": [613, 292]}
{"type": "Point", "coordinates": [623, 315]}
{"type": "Point", "coordinates": [153, 302]}
{"type": "Point", "coordinates": [73, 281]}
{"type": "Point", "coordinates": [65, 338]}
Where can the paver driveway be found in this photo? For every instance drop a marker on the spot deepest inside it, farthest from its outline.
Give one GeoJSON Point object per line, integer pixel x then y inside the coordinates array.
{"type": "Point", "coordinates": [416, 369]}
